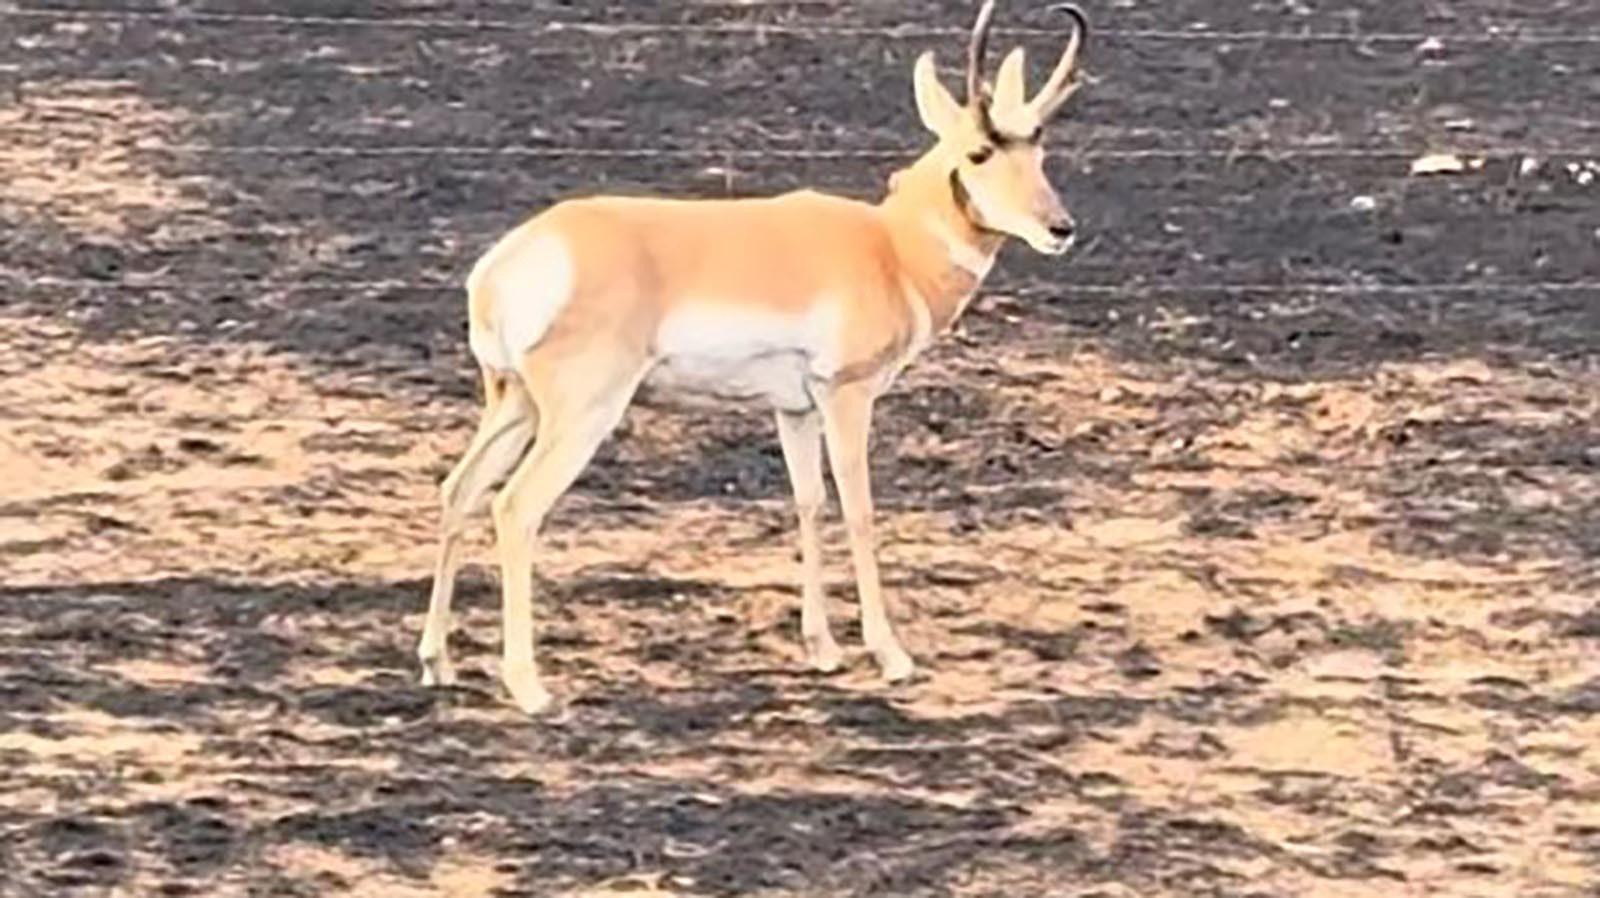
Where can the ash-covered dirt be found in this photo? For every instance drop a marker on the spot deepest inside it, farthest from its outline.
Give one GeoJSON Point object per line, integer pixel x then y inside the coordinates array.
{"type": "Point", "coordinates": [1218, 592]}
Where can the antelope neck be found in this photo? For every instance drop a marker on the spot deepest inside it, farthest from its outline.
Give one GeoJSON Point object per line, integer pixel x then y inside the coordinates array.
{"type": "Point", "coordinates": [945, 254]}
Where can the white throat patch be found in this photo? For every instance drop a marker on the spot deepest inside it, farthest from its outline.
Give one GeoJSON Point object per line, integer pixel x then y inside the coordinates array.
{"type": "Point", "coordinates": [963, 255]}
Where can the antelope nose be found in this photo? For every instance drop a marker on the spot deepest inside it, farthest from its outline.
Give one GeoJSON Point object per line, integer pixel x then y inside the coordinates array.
{"type": "Point", "coordinates": [1062, 230]}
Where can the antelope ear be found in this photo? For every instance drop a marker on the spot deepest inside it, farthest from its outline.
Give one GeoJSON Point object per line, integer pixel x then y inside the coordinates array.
{"type": "Point", "coordinates": [1010, 88]}
{"type": "Point", "coordinates": [940, 112]}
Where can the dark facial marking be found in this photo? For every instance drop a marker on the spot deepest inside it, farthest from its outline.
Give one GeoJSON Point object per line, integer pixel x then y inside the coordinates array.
{"type": "Point", "coordinates": [1002, 140]}
{"type": "Point", "coordinates": [992, 134]}
{"type": "Point", "coordinates": [995, 139]}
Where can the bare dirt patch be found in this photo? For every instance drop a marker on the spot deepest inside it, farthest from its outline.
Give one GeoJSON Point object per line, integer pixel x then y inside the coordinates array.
{"type": "Point", "coordinates": [1217, 595]}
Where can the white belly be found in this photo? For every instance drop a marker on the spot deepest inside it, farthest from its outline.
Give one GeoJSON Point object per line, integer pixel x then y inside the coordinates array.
{"type": "Point", "coordinates": [778, 378]}
{"type": "Point", "coordinates": [716, 351]}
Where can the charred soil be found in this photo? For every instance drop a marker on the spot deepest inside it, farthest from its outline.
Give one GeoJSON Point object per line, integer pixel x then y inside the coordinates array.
{"type": "Point", "coordinates": [1269, 592]}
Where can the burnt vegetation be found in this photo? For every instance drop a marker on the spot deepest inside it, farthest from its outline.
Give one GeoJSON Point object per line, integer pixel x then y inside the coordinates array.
{"type": "Point", "coordinates": [1233, 592]}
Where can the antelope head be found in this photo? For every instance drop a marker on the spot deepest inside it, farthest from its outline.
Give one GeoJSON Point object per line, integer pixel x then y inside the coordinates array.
{"type": "Point", "coordinates": [994, 142]}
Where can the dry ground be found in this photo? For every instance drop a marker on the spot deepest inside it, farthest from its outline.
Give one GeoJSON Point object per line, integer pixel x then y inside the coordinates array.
{"type": "Point", "coordinates": [1217, 593]}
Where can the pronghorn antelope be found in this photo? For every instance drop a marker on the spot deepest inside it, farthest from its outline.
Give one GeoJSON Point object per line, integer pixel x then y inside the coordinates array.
{"type": "Point", "coordinates": [810, 302]}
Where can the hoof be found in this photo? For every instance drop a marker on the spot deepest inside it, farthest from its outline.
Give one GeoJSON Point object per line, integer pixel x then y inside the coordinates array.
{"type": "Point", "coordinates": [824, 654]}
{"type": "Point", "coordinates": [438, 671]}
{"type": "Point", "coordinates": [896, 665]}
{"type": "Point", "coordinates": [527, 690]}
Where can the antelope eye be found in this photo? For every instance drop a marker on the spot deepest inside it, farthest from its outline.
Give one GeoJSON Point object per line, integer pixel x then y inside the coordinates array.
{"type": "Point", "coordinates": [980, 156]}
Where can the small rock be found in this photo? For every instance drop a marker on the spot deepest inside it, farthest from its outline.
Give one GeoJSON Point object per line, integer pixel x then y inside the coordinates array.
{"type": "Point", "coordinates": [1473, 371]}
{"type": "Point", "coordinates": [1088, 429]}
{"type": "Point", "coordinates": [198, 445]}
{"type": "Point", "coordinates": [1529, 166]}
{"type": "Point", "coordinates": [1438, 164]}
{"type": "Point", "coordinates": [1431, 45]}
{"type": "Point", "coordinates": [100, 261]}
{"type": "Point", "coordinates": [1363, 203]}
{"type": "Point", "coordinates": [1138, 663]}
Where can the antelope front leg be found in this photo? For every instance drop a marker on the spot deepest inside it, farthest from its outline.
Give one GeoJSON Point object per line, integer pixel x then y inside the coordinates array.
{"type": "Point", "coordinates": [847, 417]}
{"type": "Point", "coordinates": [801, 436]}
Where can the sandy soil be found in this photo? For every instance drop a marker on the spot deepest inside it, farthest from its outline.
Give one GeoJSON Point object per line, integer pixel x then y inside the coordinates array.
{"type": "Point", "coordinates": [1217, 594]}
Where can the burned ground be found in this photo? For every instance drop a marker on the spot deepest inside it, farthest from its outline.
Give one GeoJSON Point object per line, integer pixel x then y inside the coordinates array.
{"type": "Point", "coordinates": [1289, 590]}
